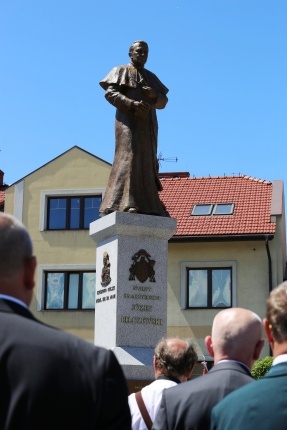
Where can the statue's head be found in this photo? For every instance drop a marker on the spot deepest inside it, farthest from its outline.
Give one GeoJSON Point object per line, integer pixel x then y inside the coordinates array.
{"type": "Point", "coordinates": [138, 53]}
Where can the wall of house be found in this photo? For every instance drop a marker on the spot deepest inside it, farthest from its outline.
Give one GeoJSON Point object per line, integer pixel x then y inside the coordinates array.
{"type": "Point", "coordinates": [252, 283]}
{"type": "Point", "coordinates": [74, 170]}
{"type": "Point", "coordinates": [279, 243]}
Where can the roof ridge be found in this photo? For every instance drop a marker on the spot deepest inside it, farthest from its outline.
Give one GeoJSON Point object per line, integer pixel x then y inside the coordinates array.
{"type": "Point", "coordinates": [239, 176]}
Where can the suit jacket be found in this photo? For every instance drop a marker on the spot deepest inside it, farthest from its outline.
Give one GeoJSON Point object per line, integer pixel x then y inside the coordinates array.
{"type": "Point", "coordinates": [260, 405]}
{"type": "Point", "coordinates": [50, 379]}
{"type": "Point", "coordinates": [188, 405]}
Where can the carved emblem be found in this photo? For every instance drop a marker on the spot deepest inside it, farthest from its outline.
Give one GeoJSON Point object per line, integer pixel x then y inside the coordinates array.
{"type": "Point", "coordinates": [106, 278]}
{"type": "Point", "coordinates": [142, 267]}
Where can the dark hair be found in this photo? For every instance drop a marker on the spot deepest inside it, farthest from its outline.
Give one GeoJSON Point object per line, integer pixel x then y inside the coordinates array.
{"type": "Point", "coordinates": [141, 42]}
{"type": "Point", "coordinates": [173, 359]}
{"type": "Point", "coordinates": [277, 312]}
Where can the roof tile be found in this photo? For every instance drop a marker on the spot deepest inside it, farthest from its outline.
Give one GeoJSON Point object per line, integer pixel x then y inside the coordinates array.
{"type": "Point", "coordinates": [251, 198]}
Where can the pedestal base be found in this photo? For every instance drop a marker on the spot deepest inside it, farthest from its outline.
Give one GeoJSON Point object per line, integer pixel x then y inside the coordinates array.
{"type": "Point", "coordinates": [131, 287]}
{"type": "Point", "coordinates": [137, 363]}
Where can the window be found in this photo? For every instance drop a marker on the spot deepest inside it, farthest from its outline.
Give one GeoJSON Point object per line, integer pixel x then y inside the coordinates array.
{"type": "Point", "coordinates": [202, 210]}
{"type": "Point", "coordinates": [213, 209]}
{"type": "Point", "coordinates": [209, 288]}
{"type": "Point", "coordinates": [223, 209]}
{"type": "Point", "coordinates": [72, 213]}
{"type": "Point", "coordinates": [208, 285]}
{"type": "Point", "coordinates": [69, 290]}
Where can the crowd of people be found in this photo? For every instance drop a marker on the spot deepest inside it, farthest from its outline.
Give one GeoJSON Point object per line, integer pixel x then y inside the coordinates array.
{"type": "Point", "coordinates": [51, 379]}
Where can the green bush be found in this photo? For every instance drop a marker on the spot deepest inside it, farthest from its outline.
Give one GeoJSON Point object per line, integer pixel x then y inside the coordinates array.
{"type": "Point", "coordinates": [261, 367]}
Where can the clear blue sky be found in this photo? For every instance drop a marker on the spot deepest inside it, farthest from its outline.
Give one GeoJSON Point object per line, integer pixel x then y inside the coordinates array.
{"type": "Point", "coordinates": [224, 62]}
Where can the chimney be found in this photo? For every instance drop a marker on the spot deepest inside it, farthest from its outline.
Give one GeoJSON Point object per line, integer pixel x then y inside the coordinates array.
{"type": "Point", "coordinates": [3, 186]}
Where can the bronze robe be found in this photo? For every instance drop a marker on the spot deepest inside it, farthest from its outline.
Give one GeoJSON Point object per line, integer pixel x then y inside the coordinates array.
{"type": "Point", "coordinates": [134, 181]}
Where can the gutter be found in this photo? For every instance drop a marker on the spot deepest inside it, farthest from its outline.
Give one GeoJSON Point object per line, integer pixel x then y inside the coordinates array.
{"type": "Point", "coordinates": [220, 238]}
{"type": "Point", "coordinates": [270, 277]}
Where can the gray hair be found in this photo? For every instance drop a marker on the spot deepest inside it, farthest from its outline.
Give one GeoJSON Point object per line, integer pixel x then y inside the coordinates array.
{"type": "Point", "coordinates": [174, 361]}
{"type": "Point", "coordinates": [15, 245]}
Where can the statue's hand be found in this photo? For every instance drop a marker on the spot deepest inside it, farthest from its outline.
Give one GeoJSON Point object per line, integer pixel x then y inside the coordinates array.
{"type": "Point", "coordinates": [140, 109]}
{"type": "Point", "coordinates": [150, 92]}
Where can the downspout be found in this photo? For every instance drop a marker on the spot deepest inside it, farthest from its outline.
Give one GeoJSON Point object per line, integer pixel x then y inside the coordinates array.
{"type": "Point", "coordinates": [270, 277]}
{"type": "Point", "coordinates": [269, 262]}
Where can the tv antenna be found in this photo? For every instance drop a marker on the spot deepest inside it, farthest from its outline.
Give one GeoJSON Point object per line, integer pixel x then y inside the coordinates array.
{"type": "Point", "coordinates": [168, 159]}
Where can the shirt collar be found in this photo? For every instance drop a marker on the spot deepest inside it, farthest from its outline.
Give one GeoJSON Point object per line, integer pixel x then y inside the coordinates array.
{"type": "Point", "coordinates": [13, 299]}
{"type": "Point", "coordinates": [169, 378]}
{"type": "Point", "coordinates": [280, 359]}
{"type": "Point", "coordinates": [234, 361]}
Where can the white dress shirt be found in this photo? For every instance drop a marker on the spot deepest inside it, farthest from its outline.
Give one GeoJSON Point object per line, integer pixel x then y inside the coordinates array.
{"type": "Point", "coordinates": [151, 395]}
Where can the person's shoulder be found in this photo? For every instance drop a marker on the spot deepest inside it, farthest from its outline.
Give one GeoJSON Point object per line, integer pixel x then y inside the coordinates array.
{"type": "Point", "coordinates": [119, 75]}
{"type": "Point", "coordinates": [240, 395]}
{"type": "Point", "coordinates": [158, 386]}
{"type": "Point", "coordinates": [156, 82]}
{"type": "Point", "coordinates": [150, 73]}
{"type": "Point", "coordinates": [198, 384]}
{"type": "Point", "coordinates": [179, 391]}
{"type": "Point", "coordinates": [58, 338]}
{"type": "Point", "coordinates": [224, 370]}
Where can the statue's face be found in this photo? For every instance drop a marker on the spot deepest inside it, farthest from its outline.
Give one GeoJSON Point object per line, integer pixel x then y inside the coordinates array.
{"type": "Point", "coordinates": [139, 54]}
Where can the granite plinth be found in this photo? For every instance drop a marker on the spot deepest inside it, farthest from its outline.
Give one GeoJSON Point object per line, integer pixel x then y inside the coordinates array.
{"type": "Point", "coordinates": [131, 287]}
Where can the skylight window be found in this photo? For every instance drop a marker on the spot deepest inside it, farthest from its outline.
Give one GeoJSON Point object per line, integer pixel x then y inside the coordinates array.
{"type": "Point", "coordinates": [223, 209]}
{"type": "Point", "coordinates": [213, 209]}
{"type": "Point", "coordinates": [202, 210]}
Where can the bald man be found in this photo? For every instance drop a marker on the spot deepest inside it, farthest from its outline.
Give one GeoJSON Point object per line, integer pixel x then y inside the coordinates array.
{"type": "Point", "coordinates": [235, 343]}
{"type": "Point", "coordinates": [262, 405]}
{"type": "Point", "coordinates": [173, 362]}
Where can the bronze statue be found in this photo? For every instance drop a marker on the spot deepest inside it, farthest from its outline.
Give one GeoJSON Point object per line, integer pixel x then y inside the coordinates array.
{"type": "Point", "coordinates": [136, 93]}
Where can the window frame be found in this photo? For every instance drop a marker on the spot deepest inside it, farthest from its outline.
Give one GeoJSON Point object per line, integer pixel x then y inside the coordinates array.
{"type": "Point", "coordinates": [185, 265]}
{"type": "Point", "coordinates": [212, 209]}
{"type": "Point", "coordinates": [217, 205]}
{"type": "Point", "coordinates": [197, 205]}
{"type": "Point", "coordinates": [46, 194]}
{"type": "Point", "coordinates": [65, 268]}
{"type": "Point", "coordinates": [68, 212]}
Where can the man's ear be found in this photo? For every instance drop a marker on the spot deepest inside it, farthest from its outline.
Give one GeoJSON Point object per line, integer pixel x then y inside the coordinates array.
{"type": "Point", "coordinates": [153, 361]}
{"type": "Point", "coordinates": [188, 374]}
{"type": "Point", "coordinates": [268, 330]}
{"type": "Point", "coordinates": [29, 272]}
{"type": "Point", "coordinates": [258, 349]}
{"type": "Point", "coordinates": [209, 346]}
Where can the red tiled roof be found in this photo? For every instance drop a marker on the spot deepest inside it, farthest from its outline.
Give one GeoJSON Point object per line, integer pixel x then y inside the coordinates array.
{"type": "Point", "coordinates": [251, 198]}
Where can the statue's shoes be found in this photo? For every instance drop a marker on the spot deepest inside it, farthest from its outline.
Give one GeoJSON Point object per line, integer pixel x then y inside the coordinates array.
{"type": "Point", "coordinates": [109, 211]}
{"type": "Point", "coordinates": [133, 210]}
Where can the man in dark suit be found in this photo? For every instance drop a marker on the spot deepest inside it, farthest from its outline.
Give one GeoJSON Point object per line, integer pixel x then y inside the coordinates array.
{"type": "Point", "coordinates": [235, 344]}
{"type": "Point", "coordinates": [48, 378]}
{"type": "Point", "coordinates": [263, 404]}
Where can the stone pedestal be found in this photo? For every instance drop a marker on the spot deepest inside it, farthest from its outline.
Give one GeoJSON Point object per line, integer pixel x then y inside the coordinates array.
{"type": "Point", "coordinates": [131, 287]}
